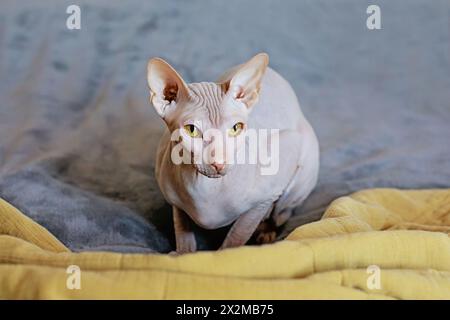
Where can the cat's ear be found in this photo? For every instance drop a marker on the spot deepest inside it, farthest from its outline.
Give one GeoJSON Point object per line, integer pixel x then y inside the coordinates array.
{"type": "Point", "coordinates": [166, 86]}
{"type": "Point", "coordinates": [245, 83]}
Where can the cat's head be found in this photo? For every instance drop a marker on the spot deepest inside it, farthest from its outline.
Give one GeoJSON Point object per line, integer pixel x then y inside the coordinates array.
{"type": "Point", "coordinates": [209, 119]}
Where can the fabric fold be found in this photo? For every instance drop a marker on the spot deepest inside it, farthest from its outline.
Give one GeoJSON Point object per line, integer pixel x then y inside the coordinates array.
{"type": "Point", "coordinates": [400, 237]}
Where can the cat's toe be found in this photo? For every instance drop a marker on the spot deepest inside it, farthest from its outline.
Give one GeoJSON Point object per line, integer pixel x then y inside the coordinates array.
{"type": "Point", "coordinates": [266, 237]}
{"type": "Point", "coordinates": [266, 232]}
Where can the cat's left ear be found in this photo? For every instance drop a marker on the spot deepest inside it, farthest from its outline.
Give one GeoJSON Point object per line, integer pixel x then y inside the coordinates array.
{"type": "Point", "coordinates": [166, 86]}
{"type": "Point", "coordinates": [245, 84]}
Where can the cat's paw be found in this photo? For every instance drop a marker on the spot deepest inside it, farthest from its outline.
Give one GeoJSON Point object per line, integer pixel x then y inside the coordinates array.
{"type": "Point", "coordinates": [266, 233]}
{"type": "Point", "coordinates": [186, 243]}
{"type": "Point", "coordinates": [266, 237]}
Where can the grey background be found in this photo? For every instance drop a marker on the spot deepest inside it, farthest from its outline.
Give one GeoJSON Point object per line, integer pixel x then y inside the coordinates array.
{"type": "Point", "coordinates": [78, 136]}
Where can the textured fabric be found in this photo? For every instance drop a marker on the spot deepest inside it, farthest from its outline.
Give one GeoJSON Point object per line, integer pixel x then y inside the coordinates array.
{"type": "Point", "coordinates": [327, 259]}
{"type": "Point", "coordinates": [78, 136]}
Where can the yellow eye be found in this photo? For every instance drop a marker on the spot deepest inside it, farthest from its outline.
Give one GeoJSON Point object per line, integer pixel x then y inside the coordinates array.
{"type": "Point", "coordinates": [236, 129]}
{"type": "Point", "coordinates": [192, 130]}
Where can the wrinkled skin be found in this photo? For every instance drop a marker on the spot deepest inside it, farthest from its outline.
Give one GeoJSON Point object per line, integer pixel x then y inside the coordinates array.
{"type": "Point", "coordinates": [216, 192]}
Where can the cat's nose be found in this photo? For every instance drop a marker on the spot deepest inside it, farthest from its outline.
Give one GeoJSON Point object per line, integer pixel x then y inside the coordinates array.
{"type": "Point", "coordinates": [218, 166]}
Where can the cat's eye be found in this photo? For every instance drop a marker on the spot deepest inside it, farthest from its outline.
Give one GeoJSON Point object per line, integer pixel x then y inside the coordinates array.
{"type": "Point", "coordinates": [236, 129]}
{"type": "Point", "coordinates": [192, 130]}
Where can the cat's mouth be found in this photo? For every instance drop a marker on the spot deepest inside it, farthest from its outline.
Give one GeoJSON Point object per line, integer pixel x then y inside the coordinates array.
{"type": "Point", "coordinates": [210, 171]}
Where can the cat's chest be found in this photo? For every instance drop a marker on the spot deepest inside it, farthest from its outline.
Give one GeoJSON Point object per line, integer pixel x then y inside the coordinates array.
{"type": "Point", "coordinates": [213, 203]}
{"type": "Point", "coordinates": [221, 194]}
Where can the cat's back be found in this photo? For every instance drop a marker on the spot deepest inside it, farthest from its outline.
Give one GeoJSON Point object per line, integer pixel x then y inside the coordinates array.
{"type": "Point", "coordinates": [277, 107]}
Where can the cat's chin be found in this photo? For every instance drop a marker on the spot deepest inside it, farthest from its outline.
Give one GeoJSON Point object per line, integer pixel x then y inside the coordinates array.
{"type": "Point", "coordinates": [209, 173]}
{"type": "Point", "coordinates": [212, 176]}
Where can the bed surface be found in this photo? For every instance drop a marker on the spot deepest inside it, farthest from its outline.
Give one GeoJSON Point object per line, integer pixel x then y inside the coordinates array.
{"type": "Point", "coordinates": [78, 135]}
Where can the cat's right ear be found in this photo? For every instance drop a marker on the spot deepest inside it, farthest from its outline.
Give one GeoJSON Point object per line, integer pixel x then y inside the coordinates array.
{"type": "Point", "coordinates": [166, 86]}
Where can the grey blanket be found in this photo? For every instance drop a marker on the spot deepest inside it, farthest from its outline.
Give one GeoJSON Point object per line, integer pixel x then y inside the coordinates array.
{"type": "Point", "coordinates": [78, 136]}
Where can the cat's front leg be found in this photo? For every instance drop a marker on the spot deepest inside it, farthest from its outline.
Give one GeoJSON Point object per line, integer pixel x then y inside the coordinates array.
{"type": "Point", "coordinates": [184, 236]}
{"type": "Point", "coordinates": [245, 225]}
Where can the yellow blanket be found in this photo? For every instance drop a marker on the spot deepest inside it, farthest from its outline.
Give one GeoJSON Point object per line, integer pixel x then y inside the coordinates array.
{"type": "Point", "coordinates": [345, 255]}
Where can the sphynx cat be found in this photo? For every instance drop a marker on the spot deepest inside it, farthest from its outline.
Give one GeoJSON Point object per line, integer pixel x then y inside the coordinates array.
{"type": "Point", "coordinates": [217, 192]}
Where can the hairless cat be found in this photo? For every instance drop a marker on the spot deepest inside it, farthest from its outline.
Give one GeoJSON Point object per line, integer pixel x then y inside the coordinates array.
{"type": "Point", "coordinates": [215, 191]}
